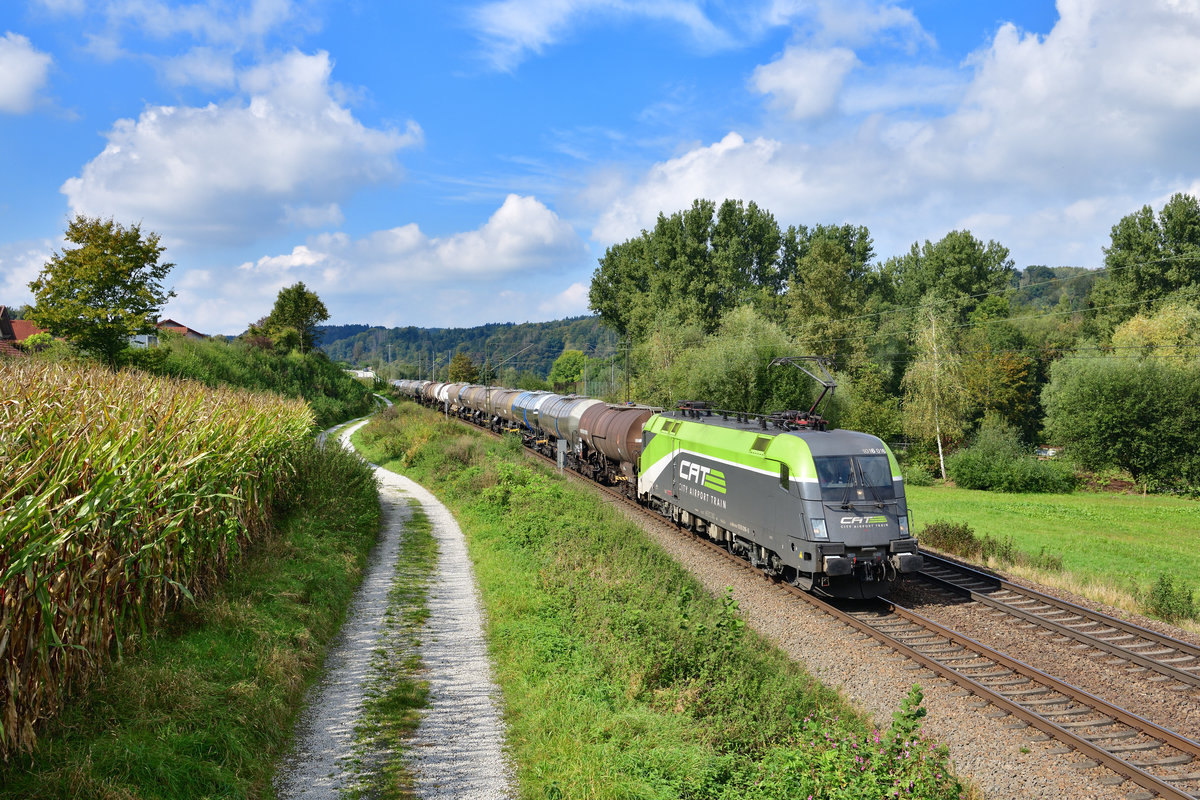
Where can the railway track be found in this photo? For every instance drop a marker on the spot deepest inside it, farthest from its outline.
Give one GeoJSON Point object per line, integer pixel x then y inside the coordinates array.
{"type": "Point", "coordinates": [1133, 645]}
{"type": "Point", "coordinates": [1161, 762]}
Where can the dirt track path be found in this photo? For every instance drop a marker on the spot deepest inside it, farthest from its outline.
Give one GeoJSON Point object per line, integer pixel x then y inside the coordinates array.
{"type": "Point", "coordinates": [458, 749]}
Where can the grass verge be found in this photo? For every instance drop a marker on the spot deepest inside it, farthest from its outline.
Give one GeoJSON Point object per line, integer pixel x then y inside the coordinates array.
{"type": "Point", "coordinates": [205, 706]}
{"type": "Point", "coordinates": [398, 692]}
{"type": "Point", "coordinates": [1114, 548]}
{"type": "Point", "coordinates": [621, 676]}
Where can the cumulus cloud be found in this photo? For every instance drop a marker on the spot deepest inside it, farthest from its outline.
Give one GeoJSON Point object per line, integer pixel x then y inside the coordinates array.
{"type": "Point", "coordinates": [214, 21]}
{"type": "Point", "coordinates": [804, 81]}
{"type": "Point", "coordinates": [519, 264]}
{"type": "Point", "coordinates": [24, 71]}
{"type": "Point", "coordinates": [203, 67]}
{"type": "Point", "coordinates": [522, 236]}
{"type": "Point", "coordinates": [570, 302]}
{"type": "Point", "coordinates": [283, 152]}
{"type": "Point", "coordinates": [1077, 119]}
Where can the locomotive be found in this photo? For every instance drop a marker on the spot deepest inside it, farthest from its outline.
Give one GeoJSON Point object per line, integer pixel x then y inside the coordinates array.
{"type": "Point", "coordinates": [822, 509]}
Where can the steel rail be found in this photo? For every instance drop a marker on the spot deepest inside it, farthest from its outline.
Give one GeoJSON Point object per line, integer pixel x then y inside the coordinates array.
{"type": "Point", "coordinates": [1179, 649]}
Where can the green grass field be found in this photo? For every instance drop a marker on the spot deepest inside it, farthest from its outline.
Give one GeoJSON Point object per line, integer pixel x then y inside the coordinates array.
{"type": "Point", "coordinates": [1110, 543]}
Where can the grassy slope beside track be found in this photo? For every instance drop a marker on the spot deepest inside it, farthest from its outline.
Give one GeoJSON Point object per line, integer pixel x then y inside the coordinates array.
{"type": "Point", "coordinates": [1117, 542]}
{"type": "Point", "coordinates": [621, 677]}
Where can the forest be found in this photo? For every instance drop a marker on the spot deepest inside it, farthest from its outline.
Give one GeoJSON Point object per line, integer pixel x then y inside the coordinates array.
{"type": "Point", "coordinates": [941, 349]}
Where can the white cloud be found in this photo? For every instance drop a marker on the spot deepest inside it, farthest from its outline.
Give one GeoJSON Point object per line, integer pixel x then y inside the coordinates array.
{"type": "Point", "coordinates": [804, 81]}
{"type": "Point", "coordinates": [570, 302]}
{"type": "Point", "coordinates": [202, 67]}
{"type": "Point", "coordinates": [285, 153]}
{"type": "Point", "coordinates": [1097, 117]}
{"type": "Point", "coordinates": [511, 267]}
{"type": "Point", "coordinates": [23, 71]}
{"type": "Point", "coordinates": [511, 29]}
{"type": "Point", "coordinates": [20, 263]}
{"type": "Point", "coordinates": [214, 21]}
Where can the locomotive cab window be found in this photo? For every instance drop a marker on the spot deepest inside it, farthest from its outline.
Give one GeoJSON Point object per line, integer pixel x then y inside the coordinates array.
{"type": "Point", "coordinates": [785, 477]}
{"type": "Point", "coordinates": [851, 478]}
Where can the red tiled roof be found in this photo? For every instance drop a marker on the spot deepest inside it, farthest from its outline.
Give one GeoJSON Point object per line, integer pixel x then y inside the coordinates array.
{"type": "Point", "coordinates": [23, 329]}
{"type": "Point", "coordinates": [178, 327]}
{"type": "Point", "coordinates": [7, 348]}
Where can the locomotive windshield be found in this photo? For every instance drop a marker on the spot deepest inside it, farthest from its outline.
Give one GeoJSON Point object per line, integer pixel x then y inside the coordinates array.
{"type": "Point", "coordinates": [860, 478]}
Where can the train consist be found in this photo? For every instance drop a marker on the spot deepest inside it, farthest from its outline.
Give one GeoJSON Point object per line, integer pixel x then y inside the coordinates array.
{"type": "Point", "coordinates": [822, 509]}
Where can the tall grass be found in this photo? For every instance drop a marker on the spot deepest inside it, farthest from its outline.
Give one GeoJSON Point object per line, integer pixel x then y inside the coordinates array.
{"type": "Point", "coordinates": [333, 395]}
{"type": "Point", "coordinates": [120, 494]}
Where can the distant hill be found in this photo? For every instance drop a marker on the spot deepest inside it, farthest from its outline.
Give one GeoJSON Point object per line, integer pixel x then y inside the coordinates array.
{"type": "Point", "coordinates": [412, 349]}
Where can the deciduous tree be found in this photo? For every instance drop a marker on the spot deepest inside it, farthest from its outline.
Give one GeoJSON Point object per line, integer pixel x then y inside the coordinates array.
{"type": "Point", "coordinates": [104, 291]}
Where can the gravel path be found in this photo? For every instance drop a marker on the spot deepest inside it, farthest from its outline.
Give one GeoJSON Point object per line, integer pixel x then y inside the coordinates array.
{"type": "Point", "coordinates": [458, 748]}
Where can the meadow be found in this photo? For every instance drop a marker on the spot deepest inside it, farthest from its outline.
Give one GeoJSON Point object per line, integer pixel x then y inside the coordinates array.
{"type": "Point", "coordinates": [1114, 547]}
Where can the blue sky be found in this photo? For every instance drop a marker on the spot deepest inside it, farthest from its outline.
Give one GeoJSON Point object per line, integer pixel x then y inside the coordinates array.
{"type": "Point", "coordinates": [455, 163]}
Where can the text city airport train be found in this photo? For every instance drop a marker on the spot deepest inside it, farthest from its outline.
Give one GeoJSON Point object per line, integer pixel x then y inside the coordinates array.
{"type": "Point", "coordinates": [822, 509]}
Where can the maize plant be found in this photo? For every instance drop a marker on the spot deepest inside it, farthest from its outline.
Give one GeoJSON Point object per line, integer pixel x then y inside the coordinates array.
{"type": "Point", "coordinates": [121, 494]}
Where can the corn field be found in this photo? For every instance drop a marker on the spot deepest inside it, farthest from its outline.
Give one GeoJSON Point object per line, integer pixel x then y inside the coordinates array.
{"type": "Point", "coordinates": [120, 495]}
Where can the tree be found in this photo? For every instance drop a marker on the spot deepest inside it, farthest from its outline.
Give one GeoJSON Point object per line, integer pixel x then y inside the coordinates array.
{"type": "Point", "coordinates": [935, 405]}
{"type": "Point", "coordinates": [104, 291]}
{"type": "Point", "coordinates": [1139, 415]}
{"type": "Point", "coordinates": [957, 267]}
{"type": "Point", "coordinates": [299, 309]}
{"type": "Point", "coordinates": [1149, 259]}
{"type": "Point", "coordinates": [463, 369]}
{"type": "Point", "coordinates": [568, 368]}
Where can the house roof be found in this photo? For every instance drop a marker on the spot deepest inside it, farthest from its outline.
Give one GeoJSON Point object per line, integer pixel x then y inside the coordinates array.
{"type": "Point", "coordinates": [179, 327]}
{"type": "Point", "coordinates": [7, 348]}
{"type": "Point", "coordinates": [22, 329]}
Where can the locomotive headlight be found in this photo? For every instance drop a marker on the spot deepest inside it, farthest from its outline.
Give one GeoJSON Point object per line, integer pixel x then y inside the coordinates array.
{"type": "Point", "coordinates": [903, 520]}
{"type": "Point", "coordinates": [819, 531]}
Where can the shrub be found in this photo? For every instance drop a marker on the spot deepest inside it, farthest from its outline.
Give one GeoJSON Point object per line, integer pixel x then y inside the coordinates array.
{"type": "Point", "coordinates": [1170, 601]}
{"type": "Point", "coordinates": [997, 461]}
{"type": "Point", "coordinates": [959, 538]}
{"type": "Point", "coordinates": [917, 475]}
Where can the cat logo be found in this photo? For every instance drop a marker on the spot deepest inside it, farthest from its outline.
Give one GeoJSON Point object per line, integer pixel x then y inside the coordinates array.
{"type": "Point", "coordinates": [876, 520]}
{"type": "Point", "coordinates": [712, 479]}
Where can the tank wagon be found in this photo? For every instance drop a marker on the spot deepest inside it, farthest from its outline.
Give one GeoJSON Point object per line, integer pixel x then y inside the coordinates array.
{"type": "Point", "coordinates": [822, 509]}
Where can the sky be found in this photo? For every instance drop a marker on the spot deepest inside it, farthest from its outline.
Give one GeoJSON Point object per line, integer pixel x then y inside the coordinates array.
{"type": "Point", "coordinates": [455, 163]}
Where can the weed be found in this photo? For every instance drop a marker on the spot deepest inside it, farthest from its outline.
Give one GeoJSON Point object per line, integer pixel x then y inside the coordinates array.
{"type": "Point", "coordinates": [1170, 601]}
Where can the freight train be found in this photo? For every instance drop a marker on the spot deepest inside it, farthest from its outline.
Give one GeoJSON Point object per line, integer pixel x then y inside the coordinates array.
{"type": "Point", "coordinates": [821, 509]}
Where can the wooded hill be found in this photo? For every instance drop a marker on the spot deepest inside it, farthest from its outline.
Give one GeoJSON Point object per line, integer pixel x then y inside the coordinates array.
{"type": "Point", "coordinates": [412, 349]}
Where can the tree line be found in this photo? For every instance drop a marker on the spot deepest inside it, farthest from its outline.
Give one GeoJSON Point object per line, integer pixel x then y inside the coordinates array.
{"type": "Point", "coordinates": [930, 346]}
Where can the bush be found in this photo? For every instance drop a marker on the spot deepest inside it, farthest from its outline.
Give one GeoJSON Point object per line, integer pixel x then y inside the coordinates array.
{"type": "Point", "coordinates": [959, 539]}
{"type": "Point", "coordinates": [917, 475]}
{"type": "Point", "coordinates": [1170, 601]}
{"type": "Point", "coordinates": [997, 461]}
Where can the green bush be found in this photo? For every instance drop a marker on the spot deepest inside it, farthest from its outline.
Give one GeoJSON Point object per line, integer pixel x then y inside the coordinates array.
{"type": "Point", "coordinates": [917, 475]}
{"type": "Point", "coordinates": [960, 539]}
{"type": "Point", "coordinates": [1170, 601]}
{"type": "Point", "coordinates": [1141, 416]}
{"type": "Point", "coordinates": [996, 461]}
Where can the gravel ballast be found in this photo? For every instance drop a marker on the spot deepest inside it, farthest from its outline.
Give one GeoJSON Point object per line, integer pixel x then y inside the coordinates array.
{"type": "Point", "coordinates": [1002, 756]}
{"type": "Point", "coordinates": [458, 748]}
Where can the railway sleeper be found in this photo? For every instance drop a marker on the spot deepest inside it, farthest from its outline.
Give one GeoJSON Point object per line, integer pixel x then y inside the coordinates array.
{"type": "Point", "coordinates": [1170, 761]}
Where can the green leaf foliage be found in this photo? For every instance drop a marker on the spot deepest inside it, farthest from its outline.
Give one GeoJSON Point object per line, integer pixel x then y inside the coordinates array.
{"type": "Point", "coordinates": [103, 291]}
{"type": "Point", "coordinates": [1141, 416]}
{"type": "Point", "coordinates": [1150, 258]}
